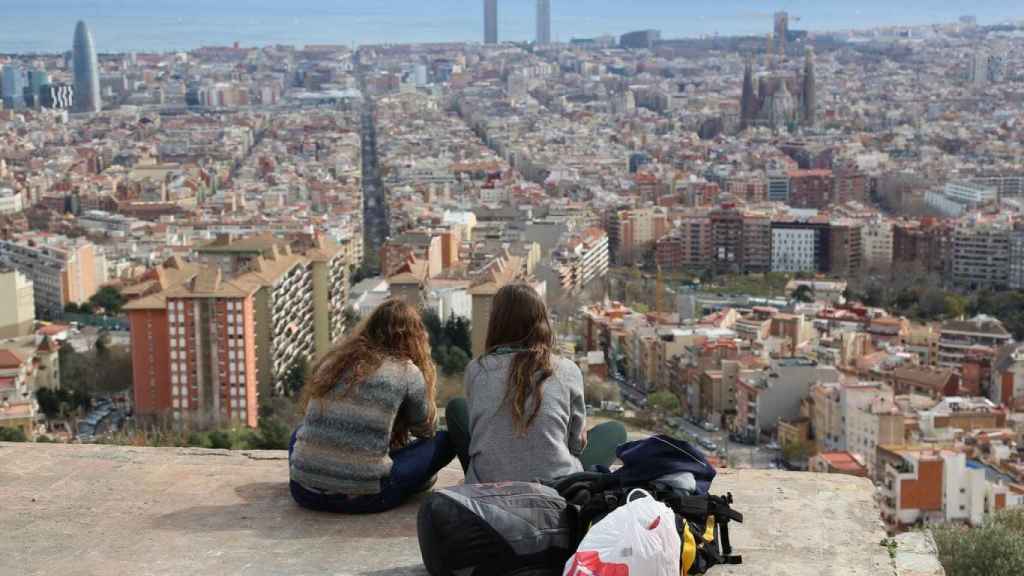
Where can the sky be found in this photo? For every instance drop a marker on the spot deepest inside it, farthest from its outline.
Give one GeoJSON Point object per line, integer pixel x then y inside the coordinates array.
{"type": "Point", "coordinates": [126, 25]}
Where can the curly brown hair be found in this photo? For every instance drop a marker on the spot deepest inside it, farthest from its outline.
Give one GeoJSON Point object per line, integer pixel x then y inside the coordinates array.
{"type": "Point", "coordinates": [519, 322]}
{"type": "Point", "coordinates": [393, 330]}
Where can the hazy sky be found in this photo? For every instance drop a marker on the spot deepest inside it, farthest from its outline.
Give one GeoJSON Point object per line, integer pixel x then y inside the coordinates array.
{"type": "Point", "coordinates": [47, 25]}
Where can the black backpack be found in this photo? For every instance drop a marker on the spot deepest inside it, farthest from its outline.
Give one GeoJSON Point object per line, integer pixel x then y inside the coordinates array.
{"type": "Point", "coordinates": [702, 520]}
{"type": "Point", "coordinates": [503, 529]}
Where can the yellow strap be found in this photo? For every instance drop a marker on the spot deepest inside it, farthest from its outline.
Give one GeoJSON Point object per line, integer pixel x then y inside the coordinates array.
{"type": "Point", "coordinates": [709, 530]}
{"type": "Point", "coordinates": [689, 549]}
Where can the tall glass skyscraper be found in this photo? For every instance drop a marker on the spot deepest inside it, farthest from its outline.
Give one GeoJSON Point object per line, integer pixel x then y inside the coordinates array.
{"type": "Point", "coordinates": [490, 21]}
{"type": "Point", "coordinates": [543, 22]}
{"type": "Point", "coordinates": [14, 82]}
{"type": "Point", "coordinates": [87, 71]}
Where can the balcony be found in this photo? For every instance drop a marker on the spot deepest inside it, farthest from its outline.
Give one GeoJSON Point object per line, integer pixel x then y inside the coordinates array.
{"type": "Point", "coordinates": [219, 512]}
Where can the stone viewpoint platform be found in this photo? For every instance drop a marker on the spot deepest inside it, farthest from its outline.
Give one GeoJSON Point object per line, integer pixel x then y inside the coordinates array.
{"type": "Point", "coordinates": [86, 509]}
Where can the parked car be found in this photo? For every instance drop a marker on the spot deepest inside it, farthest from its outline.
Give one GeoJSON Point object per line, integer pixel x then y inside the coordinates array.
{"type": "Point", "coordinates": [773, 445]}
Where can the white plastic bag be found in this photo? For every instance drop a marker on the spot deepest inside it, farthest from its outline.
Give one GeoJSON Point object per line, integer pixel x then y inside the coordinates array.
{"type": "Point", "coordinates": [638, 538]}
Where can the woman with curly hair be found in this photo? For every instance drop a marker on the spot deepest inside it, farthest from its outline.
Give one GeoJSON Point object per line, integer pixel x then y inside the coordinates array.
{"type": "Point", "coordinates": [366, 401]}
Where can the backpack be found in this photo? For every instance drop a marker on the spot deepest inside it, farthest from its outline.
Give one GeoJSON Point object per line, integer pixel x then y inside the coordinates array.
{"type": "Point", "coordinates": [654, 464]}
{"type": "Point", "coordinates": [503, 529]}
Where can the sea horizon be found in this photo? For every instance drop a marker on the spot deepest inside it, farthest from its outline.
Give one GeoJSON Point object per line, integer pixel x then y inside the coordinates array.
{"type": "Point", "coordinates": [120, 26]}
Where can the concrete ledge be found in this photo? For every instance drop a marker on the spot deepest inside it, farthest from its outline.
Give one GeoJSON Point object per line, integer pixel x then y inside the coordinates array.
{"type": "Point", "coordinates": [86, 509]}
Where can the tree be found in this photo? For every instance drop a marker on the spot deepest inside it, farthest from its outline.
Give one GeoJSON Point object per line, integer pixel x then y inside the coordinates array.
{"type": "Point", "coordinates": [49, 402]}
{"type": "Point", "coordinates": [109, 299]}
{"type": "Point", "coordinates": [219, 440]}
{"type": "Point", "coordinates": [794, 452]}
{"type": "Point", "coordinates": [72, 308]}
{"type": "Point", "coordinates": [931, 303]}
{"type": "Point", "coordinates": [12, 435]}
{"type": "Point", "coordinates": [994, 549]}
{"type": "Point", "coordinates": [956, 306]}
{"type": "Point", "coordinates": [435, 328]}
{"type": "Point", "coordinates": [458, 333]}
{"type": "Point", "coordinates": [456, 360]}
{"type": "Point", "coordinates": [804, 293]}
{"type": "Point", "coordinates": [295, 377]}
{"type": "Point", "coordinates": [664, 402]}
{"type": "Point", "coordinates": [271, 435]}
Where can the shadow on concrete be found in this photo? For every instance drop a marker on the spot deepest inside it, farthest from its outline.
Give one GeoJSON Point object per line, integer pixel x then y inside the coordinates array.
{"type": "Point", "coordinates": [268, 512]}
{"type": "Point", "coordinates": [404, 571]}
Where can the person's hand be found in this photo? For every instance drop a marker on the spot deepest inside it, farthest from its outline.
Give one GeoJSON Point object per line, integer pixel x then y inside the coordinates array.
{"type": "Point", "coordinates": [583, 440]}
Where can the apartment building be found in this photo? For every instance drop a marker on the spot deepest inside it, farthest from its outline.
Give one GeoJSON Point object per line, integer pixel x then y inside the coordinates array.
{"type": "Point", "coordinates": [1007, 386]}
{"type": "Point", "coordinates": [810, 188]}
{"type": "Point", "coordinates": [62, 270]}
{"type": "Point", "coordinates": [794, 249]}
{"type": "Point", "coordinates": [877, 244]}
{"type": "Point", "coordinates": [638, 230]}
{"type": "Point", "coordinates": [757, 243]}
{"type": "Point", "coordinates": [279, 308]}
{"type": "Point", "coordinates": [687, 247]}
{"type": "Point", "coordinates": [213, 356]}
{"type": "Point", "coordinates": [727, 239]}
{"type": "Point", "coordinates": [980, 253]}
{"type": "Point", "coordinates": [582, 258]}
{"type": "Point", "coordinates": [775, 393]}
{"type": "Point", "coordinates": [956, 336]}
{"type": "Point", "coordinates": [929, 485]}
{"type": "Point", "coordinates": [846, 252]}
{"type": "Point", "coordinates": [18, 314]}
{"type": "Point", "coordinates": [18, 408]}
{"type": "Point", "coordinates": [1015, 272]}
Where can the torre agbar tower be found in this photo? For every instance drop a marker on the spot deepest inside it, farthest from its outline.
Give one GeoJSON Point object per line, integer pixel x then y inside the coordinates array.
{"type": "Point", "coordinates": [86, 68]}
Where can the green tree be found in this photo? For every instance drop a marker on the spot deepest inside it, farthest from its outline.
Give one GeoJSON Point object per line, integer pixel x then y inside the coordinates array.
{"type": "Point", "coordinates": [458, 334]}
{"type": "Point", "coordinates": [956, 305]}
{"type": "Point", "coordinates": [109, 299]}
{"type": "Point", "coordinates": [49, 402]}
{"type": "Point", "coordinates": [804, 293]}
{"type": "Point", "coordinates": [295, 377]}
{"type": "Point", "coordinates": [72, 308]}
{"type": "Point", "coordinates": [271, 435]}
{"type": "Point", "coordinates": [435, 328]}
{"type": "Point", "coordinates": [994, 549]}
{"type": "Point", "coordinates": [12, 435]}
{"type": "Point", "coordinates": [219, 439]}
{"type": "Point", "coordinates": [664, 402]}
{"type": "Point", "coordinates": [794, 452]}
{"type": "Point", "coordinates": [456, 360]}
{"type": "Point", "coordinates": [931, 304]}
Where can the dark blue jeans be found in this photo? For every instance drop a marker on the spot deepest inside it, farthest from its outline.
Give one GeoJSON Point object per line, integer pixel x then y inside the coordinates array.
{"type": "Point", "coordinates": [412, 471]}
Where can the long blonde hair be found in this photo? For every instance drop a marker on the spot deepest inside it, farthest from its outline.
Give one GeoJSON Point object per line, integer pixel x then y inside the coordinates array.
{"type": "Point", "coordinates": [519, 323]}
{"type": "Point", "coordinates": [393, 330]}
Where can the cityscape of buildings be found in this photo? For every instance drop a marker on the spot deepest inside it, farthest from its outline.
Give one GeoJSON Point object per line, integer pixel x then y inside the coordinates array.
{"type": "Point", "coordinates": [247, 204]}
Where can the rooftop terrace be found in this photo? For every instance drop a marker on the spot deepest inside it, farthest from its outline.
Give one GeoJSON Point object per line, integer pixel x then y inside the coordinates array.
{"type": "Point", "coordinates": [88, 509]}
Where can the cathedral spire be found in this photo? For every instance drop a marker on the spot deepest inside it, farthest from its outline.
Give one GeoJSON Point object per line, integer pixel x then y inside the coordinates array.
{"type": "Point", "coordinates": [810, 97]}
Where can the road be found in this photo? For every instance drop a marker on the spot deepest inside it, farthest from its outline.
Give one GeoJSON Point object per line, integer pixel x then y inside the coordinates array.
{"type": "Point", "coordinates": [376, 227]}
{"type": "Point", "coordinates": [736, 454]}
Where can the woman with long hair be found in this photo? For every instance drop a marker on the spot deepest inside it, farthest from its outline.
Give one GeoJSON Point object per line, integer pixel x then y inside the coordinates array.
{"type": "Point", "coordinates": [524, 417]}
{"type": "Point", "coordinates": [364, 403]}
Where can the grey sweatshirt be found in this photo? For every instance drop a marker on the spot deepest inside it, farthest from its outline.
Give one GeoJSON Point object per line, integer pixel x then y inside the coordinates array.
{"type": "Point", "coordinates": [552, 444]}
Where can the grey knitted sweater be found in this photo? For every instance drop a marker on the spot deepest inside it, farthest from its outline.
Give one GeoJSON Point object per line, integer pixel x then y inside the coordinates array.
{"type": "Point", "coordinates": [343, 444]}
{"type": "Point", "coordinates": [551, 445]}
